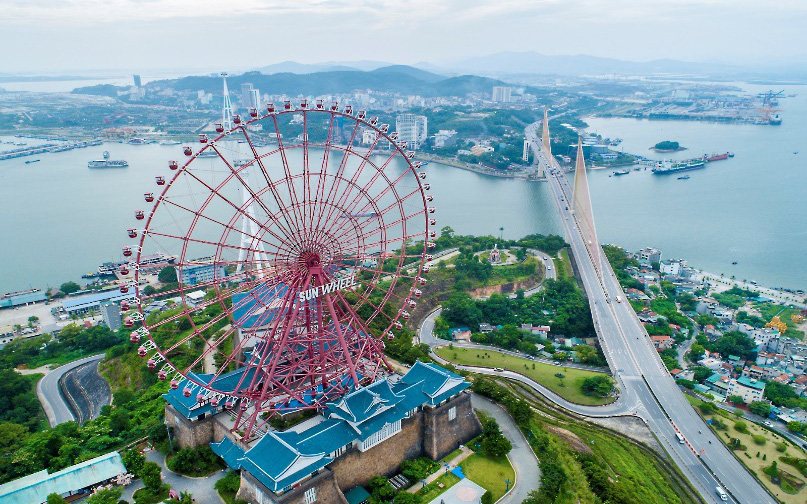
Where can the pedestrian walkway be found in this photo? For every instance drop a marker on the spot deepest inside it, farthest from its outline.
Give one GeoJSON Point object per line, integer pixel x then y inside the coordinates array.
{"type": "Point", "coordinates": [465, 452]}
{"type": "Point", "coordinates": [464, 492]}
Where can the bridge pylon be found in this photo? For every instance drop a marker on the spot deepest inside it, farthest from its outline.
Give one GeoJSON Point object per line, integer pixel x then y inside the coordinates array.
{"type": "Point", "coordinates": [582, 210]}
{"type": "Point", "coordinates": [545, 133]}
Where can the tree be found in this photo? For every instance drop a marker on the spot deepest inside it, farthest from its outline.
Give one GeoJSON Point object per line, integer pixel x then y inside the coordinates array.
{"type": "Point", "coordinates": [496, 446]}
{"type": "Point", "coordinates": [380, 488]}
{"type": "Point", "coordinates": [106, 496]}
{"type": "Point", "coordinates": [32, 320]}
{"type": "Point", "coordinates": [167, 275]}
{"type": "Point", "coordinates": [522, 413]}
{"type": "Point", "coordinates": [735, 399]}
{"type": "Point", "coordinates": [55, 498]}
{"type": "Point", "coordinates": [151, 475]}
{"type": "Point", "coordinates": [119, 421]}
{"type": "Point", "coordinates": [795, 426]}
{"type": "Point", "coordinates": [487, 497]}
{"type": "Point", "coordinates": [761, 408]}
{"type": "Point", "coordinates": [700, 373]}
{"type": "Point", "coordinates": [780, 394]}
{"type": "Point", "coordinates": [696, 352]}
{"type": "Point", "coordinates": [185, 497]}
{"type": "Point", "coordinates": [69, 287]}
{"type": "Point", "coordinates": [407, 498]}
{"type": "Point", "coordinates": [586, 354]}
{"type": "Point", "coordinates": [133, 460]}
{"type": "Point", "coordinates": [735, 343]}
{"type": "Point", "coordinates": [600, 385]}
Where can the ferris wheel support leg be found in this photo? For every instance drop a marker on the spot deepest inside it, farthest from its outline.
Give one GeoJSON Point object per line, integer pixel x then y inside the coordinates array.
{"type": "Point", "coordinates": [351, 366]}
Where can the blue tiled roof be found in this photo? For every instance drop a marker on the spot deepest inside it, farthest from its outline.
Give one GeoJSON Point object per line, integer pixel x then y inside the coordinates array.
{"type": "Point", "coordinates": [229, 451]}
{"type": "Point", "coordinates": [363, 404]}
{"type": "Point", "coordinates": [277, 464]}
{"type": "Point", "coordinates": [434, 382]}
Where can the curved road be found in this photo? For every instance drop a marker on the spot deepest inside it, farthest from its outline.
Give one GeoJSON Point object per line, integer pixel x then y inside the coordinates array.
{"type": "Point", "coordinates": [522, 458]}
{"type": "Point", "coordinates": [47, 390]}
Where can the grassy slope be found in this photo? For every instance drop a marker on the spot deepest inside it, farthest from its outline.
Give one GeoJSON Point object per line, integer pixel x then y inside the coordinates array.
{"type": "Point", "coordinates": [568, 387]}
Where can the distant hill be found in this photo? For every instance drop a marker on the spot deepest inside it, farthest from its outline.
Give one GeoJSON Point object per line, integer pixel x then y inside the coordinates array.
{"type": "Point", "coordinates": [396, 78]}
{"type": "Point", "coordinates": [327, 66]}
{"type": "Point", "coordinates": [533, 62]}
{"type": "Point", "coordinates": [412, 72]}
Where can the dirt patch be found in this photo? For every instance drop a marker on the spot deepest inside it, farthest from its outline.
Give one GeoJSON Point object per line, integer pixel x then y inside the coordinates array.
{"type": "Point", "coordinates": [508, 288]}
{"type": "Point", "coordinates": [571, 438]}
{"type": "Point", "coordinates": [632, 427]}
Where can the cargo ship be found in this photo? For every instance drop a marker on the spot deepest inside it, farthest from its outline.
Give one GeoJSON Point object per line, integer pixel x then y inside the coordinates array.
{"type": "Point", "coordinates": [619, 173]}
{"type": "Point", "coordinates": [32, 161]}
{"type": "Point", "coordinates": [107, 163]}
{"type": "Point", "coordinates": [667, 168]}
{"type": "Point", "coordinates": [717, 157]}
{"type": "Point", "coordinates": [110, 268]}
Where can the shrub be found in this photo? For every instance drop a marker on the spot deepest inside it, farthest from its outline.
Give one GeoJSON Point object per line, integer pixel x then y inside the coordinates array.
{"type": "Point", "coordinates": [741, 427]}
{"type": "Point", "coordinates": [487, 497]}
{"type": "Point", "coordinates": [781, 447]}
{"type": "Point", "coordinates": [759, 439]}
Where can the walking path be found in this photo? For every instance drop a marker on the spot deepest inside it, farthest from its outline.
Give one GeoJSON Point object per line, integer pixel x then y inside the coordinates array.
{"type": "Point", "coordinates": [465, 452]}
{"type": "Point", "coordinates": [202, 489]}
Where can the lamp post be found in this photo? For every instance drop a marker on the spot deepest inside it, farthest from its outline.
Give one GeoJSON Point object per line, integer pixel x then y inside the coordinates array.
{"type": "Point", "coordinates": [506, 485]}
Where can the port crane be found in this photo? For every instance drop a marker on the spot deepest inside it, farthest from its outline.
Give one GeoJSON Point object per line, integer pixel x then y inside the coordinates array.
{"type": "Point", "coordinates": [770, 114]}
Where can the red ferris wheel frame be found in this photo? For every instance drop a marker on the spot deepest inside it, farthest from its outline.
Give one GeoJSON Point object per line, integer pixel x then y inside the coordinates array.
{"type": "Point", "coordinates": [299, 306]}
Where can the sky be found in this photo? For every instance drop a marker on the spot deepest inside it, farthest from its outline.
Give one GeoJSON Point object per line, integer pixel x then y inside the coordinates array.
{"type": "Point", "coordinates": [51, 36]}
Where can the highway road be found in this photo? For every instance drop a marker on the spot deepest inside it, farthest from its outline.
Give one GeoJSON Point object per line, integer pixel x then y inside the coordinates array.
{"type": "Point", "coordinates": [638, 368]}
{"type": "Point", "coordinates": [53, 402]}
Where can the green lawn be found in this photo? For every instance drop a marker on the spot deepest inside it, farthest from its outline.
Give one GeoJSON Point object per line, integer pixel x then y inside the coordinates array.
{"type": "Point", "coordinates": [489, 473]}
{"type": "Point", "coordinates": [567, 387]}
{"type": "Point", "coordinates": [433, 489]}
{"type": "Point", "coordinates": [755, 456]}
{"type": "Point", "coordinates": [451, 455]}
{"type": "Point", "coordinates": [563, 266]}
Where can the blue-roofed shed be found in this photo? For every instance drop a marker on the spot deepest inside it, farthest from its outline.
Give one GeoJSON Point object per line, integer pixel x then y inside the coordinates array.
{"type": "Point", "coordinates": [35, 488]}
{"type": "Point", "coordinates": [229, 451]}
{"type": "Point", "coordinates": [93, 301]}
{"type": "Point", "coordinates": [357, 495]}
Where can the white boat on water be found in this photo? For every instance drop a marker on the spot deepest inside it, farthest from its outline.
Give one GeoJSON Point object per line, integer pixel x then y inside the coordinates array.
{"type": "Point", "coordinates": [107, 163]}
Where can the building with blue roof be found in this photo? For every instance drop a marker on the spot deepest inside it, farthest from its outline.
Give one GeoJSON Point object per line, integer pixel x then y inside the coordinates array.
{"type": "Point", "coordinates": [81, 304]}
{"type": "Point", "coordinates": [20, 298]}
{"type": "Point", "coordinates": [368, 431]}
{"type": "Point", "coordinates": [73, 480]}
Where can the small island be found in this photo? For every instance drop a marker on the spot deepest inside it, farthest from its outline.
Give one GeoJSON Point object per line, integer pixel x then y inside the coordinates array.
{"type": "Point", "coordinates": [667, 146]}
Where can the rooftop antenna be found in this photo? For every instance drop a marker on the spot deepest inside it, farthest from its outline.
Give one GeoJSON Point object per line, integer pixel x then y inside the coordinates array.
{"type": "Point", "coordinates": [227, 108]}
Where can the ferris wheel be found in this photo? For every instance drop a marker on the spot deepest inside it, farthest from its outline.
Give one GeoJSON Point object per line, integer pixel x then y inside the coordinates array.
{"type": "Point", "coordinates": [300, 239]}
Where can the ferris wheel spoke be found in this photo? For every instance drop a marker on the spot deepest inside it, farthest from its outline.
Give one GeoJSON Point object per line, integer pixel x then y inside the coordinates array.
{"type": "Point", "coordinates": [287, 172]}
{"type": "Point", "coordinates": [227, 227]}
{"type": "Point", "coordinates": [258, 159]}
{"type": "Point", "coordinates": [253, 195]}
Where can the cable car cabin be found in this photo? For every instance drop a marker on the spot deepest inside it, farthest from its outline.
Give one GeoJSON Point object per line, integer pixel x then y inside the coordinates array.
{"type": "Point", "coordinates": [124, 305]}
{"type": "Point", "coordinates": [418, 293]}
{"type": "Point", "coordinates": [151, 364]}
{"type": "Point", "coordinates": [431, 209]}
{"type": "Point", "coordinates": [134, 337]}
{"type": "Point", "coordinates": [161, 375]}
{"type": "Point", "coordinates": [123, 270]}
{"type": "Point", "coordinates": [304, 104]}
{"type": "Point", "coordinates": [287, 105]}
{"type": "Point", "coordinates": [132, 233]}
{"type": "Point", "coordinates": [123, 288]}
{"type": "Point", "coordinates": [362, 115]}
{"type": "Point", "coordinates": [188, 151]}
{"type": "Point", "coordinates": [173, 165]}
{"type": "Point", "coordinates": [253, 112]}
{"type": "Point", "coordinates": [139, 215]}
{"type": "Point", "coordinates": [422, 281]}
{"type": "Point", "coordinates": [141, 351]}
{"type": "Point", "coordinates": [127, 251]}
{"type": "Point", "coordinates": [202, 138]}
{"type": "Point", "coordinates": [349, 110]}
{"type": "Point", "coordinates": [219, 128]}
{"type": "Point", "coordinates": [335, 107]}
{"type": "Point", "coordinates": [320, 105]}
{"type": "Point", "coordinates": [128, 322]}
{"type": "Point", "coordinates": [236, 119]}
{"type": "Point", "coordinates": [160, 180]}
{"type": "Point", "coordinates": [427, 186]}
{"type": "Point", "coordinates": [149, 197]}
{"type": "Point", "coordinates": [270, 107]}
{"type": "Point", "coordinates": [174, 384]}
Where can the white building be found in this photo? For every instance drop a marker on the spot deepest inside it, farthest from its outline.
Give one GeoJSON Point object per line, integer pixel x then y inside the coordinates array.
{"type": "Point", "coordinates": [442, 137]}
{"type": "Point", "coordinates": [411, 128]}
{"type": "Point", "coordinates": [649, 255]}
{"type": "Point", "coordinates": [525, 155]}
{"type": "Point", "coordinates": [747, 388]}
{"type": "Point", "coordinates": [671, 267]}
{"type": "Point", "coordinates": [501, 94]}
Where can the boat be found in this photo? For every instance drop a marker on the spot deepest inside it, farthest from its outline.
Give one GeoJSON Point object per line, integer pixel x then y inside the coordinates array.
{"type": "Point", "coordinates": [775, 120]}
{"type": "Point", "coordinates": [424, 163]}
{"type": "Point", "coordinates": [207, 153]}
{"type": "Point", "coordinates": [718, 157]}
{"type": "Point", "coordinates": [30, 161]}
{"type": "Point", "coordinates": [107, 163]}
{"type": "Point", "coordinates": [110, 268]}
{"type": "Point", "coordinates": [619, 173]}
{"type": "Point", "coordinates": [666, 168]}
{"type": "Point", "coordinates": [169, 142]}
{"type": "Point", "coordinates": [733, 262]}
{"type": "Point", "coordinates": [685, 177]}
